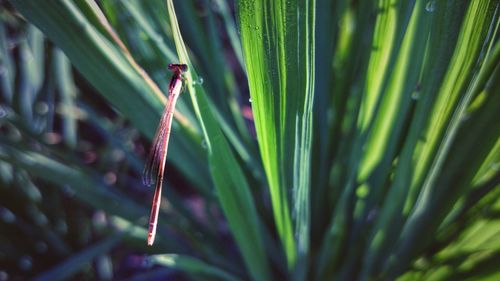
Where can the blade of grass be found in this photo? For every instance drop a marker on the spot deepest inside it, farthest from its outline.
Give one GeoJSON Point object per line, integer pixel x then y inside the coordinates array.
{"type": "Point", "coordinates": [231, 185]}
{"type": "Point", "coordinates": [229, 98]}
{"type": "Point", "coordinates": [388, 96]}
{"type": "Point", "coordinates": [430, 211]}
{"type": "Point", "coordinates": [333, 18]}
{"type": "Point", "coordinates": [391, 213]}
{"type": "Point", "coordinates": [159, 42]}
{"type": "Point", "coordinates": [456, 80]}
{"type": "Point", "coordinates": [191, 265]}
{"type": "Point", "coordinates": [279, 51]}
{"type": "Point", "coordinates": [36, 43]}
{"type": "Point", "coordinates": [74, 263]}
{"type": "Point", "coordinates": [389, 124]}
{"type": "Point", "coordinates": [67, 91]}
{"type": "Point", "coordinates": [383, 42]}
{"type": "Point", "coordinates": [8, 71]}
{"type": "Point", "coordinates": [231, 30]}
{"type": "Point", "coordinates": [239, 141]}
{"type": "Point", "coordinates": [96, 58]}
{"type": "Point", "coordinates": [98, 195]}
{"type": "Point", "coordinates": [103, 64]}
{"type": "Point", "coordinates": [350, 66]}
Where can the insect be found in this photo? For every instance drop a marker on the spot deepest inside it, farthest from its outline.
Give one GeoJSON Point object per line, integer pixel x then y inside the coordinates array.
{"type": "Point", "coordinates": [155, 165]}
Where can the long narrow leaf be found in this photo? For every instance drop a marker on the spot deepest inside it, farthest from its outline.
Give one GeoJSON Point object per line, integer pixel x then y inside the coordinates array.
{"type": "Point", "coordinates": [232, 186]}
{"type": "Point", "coordinates": [76, 262]}
{"type": "Point", "coordinates": [279, 45]}
{"type": "Point", "coordinates": [191, 265]}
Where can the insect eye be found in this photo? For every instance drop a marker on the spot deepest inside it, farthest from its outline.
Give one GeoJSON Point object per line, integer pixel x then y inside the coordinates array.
{"type": "Point", "coordinates": [178, 67]}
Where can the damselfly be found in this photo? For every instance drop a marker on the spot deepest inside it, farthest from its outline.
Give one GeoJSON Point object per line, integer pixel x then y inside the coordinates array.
{"type": "Point", "coordinates": [155, 165]}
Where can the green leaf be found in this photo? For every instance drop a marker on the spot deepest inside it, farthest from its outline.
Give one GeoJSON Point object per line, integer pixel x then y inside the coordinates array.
{"type": "Point", "coordinates": [111, 71]}
{"type": "Point", "coordinates": [231, 185]}
{"type": "Point", "coordinates": [7, 78]}
{"type": "Point", "coordinates": [456, 148]}
{"type": "Point", "coordinates": [387, 130]}
{"type": "Point", "coordinates": [66, 87]}
{"type": "Point", "coordinates": [85, 185]}
{"type": "Point", "coordinates": [278, 43]}
{"type": "Point", "coordinates": [191, 265]}
{"type": "Point", "coordinates": [75, 263]}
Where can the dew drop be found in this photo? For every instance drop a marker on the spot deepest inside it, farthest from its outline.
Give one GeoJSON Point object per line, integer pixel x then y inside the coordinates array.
{"type": "Point", "coordinates": [415, 95]}
{"type": "Point", "coordinates": [204, 144]}
{"type": "Point", "coordinates": [250, 100]}
{"type": "Point", "coordinates": [430, 6]}
{"type": "Point", "coordinates": [200, 80]}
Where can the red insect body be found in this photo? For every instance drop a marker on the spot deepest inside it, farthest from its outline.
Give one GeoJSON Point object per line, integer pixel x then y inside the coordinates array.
{"type": "Point", "coordinates": [155, 165]}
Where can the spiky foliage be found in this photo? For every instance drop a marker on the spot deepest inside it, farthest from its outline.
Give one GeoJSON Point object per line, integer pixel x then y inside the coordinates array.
{"type": "Point", "coordinates": [373, 154]}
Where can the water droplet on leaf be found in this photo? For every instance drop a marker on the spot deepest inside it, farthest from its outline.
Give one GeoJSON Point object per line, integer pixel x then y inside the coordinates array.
{"type": "Point", "coordinates": [430, 6]}
{"type": "Point", "coordinates": [198, 81]}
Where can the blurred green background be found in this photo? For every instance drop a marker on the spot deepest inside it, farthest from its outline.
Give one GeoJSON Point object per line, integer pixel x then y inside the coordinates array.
{"type": "Point", "coordinates": [316, 139]}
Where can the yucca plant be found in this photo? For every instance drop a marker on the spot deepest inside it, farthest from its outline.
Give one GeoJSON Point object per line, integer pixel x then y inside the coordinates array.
{"type": "Point", "coordinates": [316, 140]}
